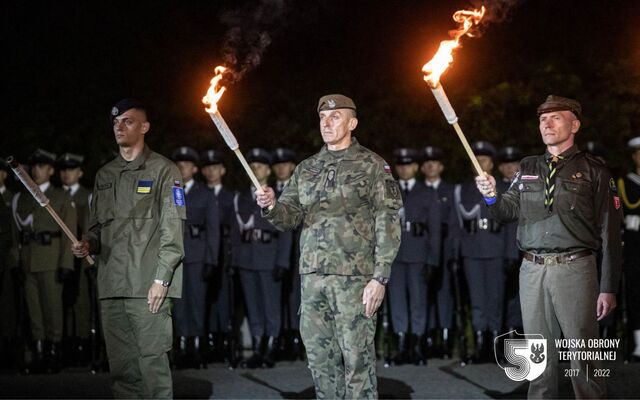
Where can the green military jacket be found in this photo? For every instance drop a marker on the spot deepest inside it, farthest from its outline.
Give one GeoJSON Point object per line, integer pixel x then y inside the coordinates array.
{"type": "Point", "coordinates": [586, 211]}
{"type": "Point", "coordinates": [136, 225]}
{"type": "Point", "coordinates": [43, 245]}
{"type": "Point", "coordinates": [348, 205]}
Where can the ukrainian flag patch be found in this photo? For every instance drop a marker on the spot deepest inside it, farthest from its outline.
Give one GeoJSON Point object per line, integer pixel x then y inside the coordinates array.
{"type": "Point", "coordinates": [144, 187]}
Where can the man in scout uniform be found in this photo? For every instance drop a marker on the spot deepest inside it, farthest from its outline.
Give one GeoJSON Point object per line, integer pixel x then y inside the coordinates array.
{"type": "Point", "coordinates": [46, 258]}
{"type": "Point", "coordinates": [567, 207]}
{"type": "Point", "coordinates": [136, 232]}
{"type": "Point", "coordinates": [284, 162]}
{"type": "Point", "coordinates": [439, 340]}
{"type": "Point", "coordinates": [221, 335]}
{"type": "Point", "coordinates": [262, 260]}
{"type": "Point", "coordinates": [629, 189]}
{"type": "Point", "coordinates": [77, 295]}
{"type": "Point", "coordinates": [417, 257]}
{"type": "Point", "coordinates": [508, 163]}
{"type": "Point", "coordinates": [348, 202]}
{"type": "Point", "coordinates": [201, 246]}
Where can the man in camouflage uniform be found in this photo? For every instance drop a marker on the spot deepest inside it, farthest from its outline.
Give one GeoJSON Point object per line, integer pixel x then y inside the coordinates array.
{"type": "Point", "coordinates": [348, 202]}
{"type": "Point", "coordinates": [136, 230]}
{"type": "Point", "coordinates": [46, 259]}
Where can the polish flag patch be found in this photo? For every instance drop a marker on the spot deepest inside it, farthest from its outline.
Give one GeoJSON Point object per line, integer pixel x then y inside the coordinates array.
{"type": "Point", "coordinates": [387, 169]}
{"type": "Point", "coordinates": [530, 177]}
{"type": "Point", "coordinates": [616, 202]}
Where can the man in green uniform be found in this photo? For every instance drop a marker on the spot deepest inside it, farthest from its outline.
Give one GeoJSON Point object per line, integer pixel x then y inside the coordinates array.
{"type": "Point", "coordinates": [79, 321]}
{"type": "Point", "coordinates": [136, 229]}
{"type": "Point", "coordinates": [46, 258]}
{"type": "Point", "coordinates": [567, 209]}
{"type": "Point", "coordinates": [348, 202]}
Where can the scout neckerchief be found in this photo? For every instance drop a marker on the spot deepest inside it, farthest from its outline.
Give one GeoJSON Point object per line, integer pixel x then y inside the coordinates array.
{"type": "Point", "coordinates": [550, 181]}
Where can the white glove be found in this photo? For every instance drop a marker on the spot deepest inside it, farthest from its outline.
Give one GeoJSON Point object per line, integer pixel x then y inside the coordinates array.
{"type": "Point", "coordinates": [632, 222]}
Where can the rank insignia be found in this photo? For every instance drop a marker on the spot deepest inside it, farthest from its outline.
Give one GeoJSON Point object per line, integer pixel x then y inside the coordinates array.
{"type": "Point", "coordinates": [144, 187]}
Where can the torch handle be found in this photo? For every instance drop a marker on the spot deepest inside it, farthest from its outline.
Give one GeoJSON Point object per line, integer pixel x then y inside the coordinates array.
{"type": "Point", "coordinates": [467, 148]}
{"type": "Point", "coordinates": [248, 170]}
{"type": "Point", "coordinates": [66, 229]}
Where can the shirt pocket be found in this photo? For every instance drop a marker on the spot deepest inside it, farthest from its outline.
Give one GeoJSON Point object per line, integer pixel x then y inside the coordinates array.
{"type": "Point", "coordinates": [355, 190]}
{"type": "Point", "coordinates": [576, 197]}
{"type": "Point", "coordinates": [104, 202]}
{"type": "Point", "coordinates": [532, 199]}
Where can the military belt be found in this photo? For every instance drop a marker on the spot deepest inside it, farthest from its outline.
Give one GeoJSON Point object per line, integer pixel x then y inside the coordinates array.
{"type": "Point", "coordinates": [561, 258]}
{"type": "Point", "coordinates": [43, 237]}
{"type": "Point", "coordinates": [481, 224]}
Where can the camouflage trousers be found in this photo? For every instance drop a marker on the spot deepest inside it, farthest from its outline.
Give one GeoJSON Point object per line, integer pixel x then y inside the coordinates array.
{"type": "Point", "coordinates": [339, 338]}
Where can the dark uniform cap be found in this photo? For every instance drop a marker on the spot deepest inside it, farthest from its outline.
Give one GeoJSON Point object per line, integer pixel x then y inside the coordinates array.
{"type": "Point", "coordinates": [123, 106]}
{"type": "Point", "coordinates": [557, 103]}
{"type": "Point", "coordinates": [282, 155]}
{"type": "Point", "coordinates": [185, 153]}
{"type": "Point", "coordinates": [258, 155]}
{"type": "Point", "coordinates": [634, 143]}
{"type": "Point", "coordinates": [335, 102]}
{"type": "Point", "coordinates": [432, 153]}
{"type": "Point", "coordinates": [509, 154]}
{"type": "Point", "coordinates": [212, 157]}
{"type": "Point", "coordinates": [594, 148]}
{"type": "Point", "coordinates": [42, 157]}
{"type": "Point", "coordinates": [405, 156]}
{"type": "Point", "coordinates": [69, 160]}
{"type": "Point", "coordinates": [483, 148]}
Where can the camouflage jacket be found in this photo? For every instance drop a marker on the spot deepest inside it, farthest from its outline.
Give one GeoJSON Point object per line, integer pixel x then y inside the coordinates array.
{"type": "Point", "coordinates": [348, 205]}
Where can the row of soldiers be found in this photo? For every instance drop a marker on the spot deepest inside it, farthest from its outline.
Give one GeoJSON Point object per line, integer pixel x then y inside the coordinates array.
{"type": "Point", "coordinates": [236, 264]}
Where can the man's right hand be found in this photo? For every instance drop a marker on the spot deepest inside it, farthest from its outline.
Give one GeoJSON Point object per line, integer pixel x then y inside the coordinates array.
{"type": "Point", "coordinates": [486, 185]}
{"type": "Point", "coordinates": [80, 249]}
{"type": "Point", "coordinates": [265, 197]}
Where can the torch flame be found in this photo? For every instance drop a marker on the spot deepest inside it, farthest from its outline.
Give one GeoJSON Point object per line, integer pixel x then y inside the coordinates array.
{"type": "Point", "coordinates": [214, 92]}
{"type": "Point", "coordinates": [443, 58]}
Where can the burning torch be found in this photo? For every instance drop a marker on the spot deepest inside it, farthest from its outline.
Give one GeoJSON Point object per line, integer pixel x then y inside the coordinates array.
{"type": "Point", "coordinates": [42, 200]}
{"type": "Point", "coordinates": [439, 64]}
{"type": "Point", "coordinates": [211, 99]}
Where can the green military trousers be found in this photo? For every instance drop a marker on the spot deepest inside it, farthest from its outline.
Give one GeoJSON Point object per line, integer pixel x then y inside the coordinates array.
{"type": "Point", "coordinates": [44, 300]}
{"type": "Point", "coordinates": [137, 345]}
{"type": "Point", "coordinates": [339, 338]}
{"type": "Point", "coordinates": [560, 298]}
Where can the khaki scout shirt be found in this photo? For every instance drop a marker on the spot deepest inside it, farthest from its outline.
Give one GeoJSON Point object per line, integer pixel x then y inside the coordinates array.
{"type": "Point", "coordinates": [586, 211]}
{"type": "Point", "coordinates": [136, 225]}
{"type": "Point", "coordinates": [349, 209]}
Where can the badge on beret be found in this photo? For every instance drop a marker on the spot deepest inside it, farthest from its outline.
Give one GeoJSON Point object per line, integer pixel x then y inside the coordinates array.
{"type": "Point", "coordinates": [612, 186]}
{"type": "Point", "coordinates": [331, 103]}
{"type": "Point", "coordinates": [114, 111]}
{"type": "Point", "coordinates": [144, 187]}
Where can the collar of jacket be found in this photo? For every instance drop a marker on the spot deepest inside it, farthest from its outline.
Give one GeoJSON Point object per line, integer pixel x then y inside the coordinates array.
{"type": "Point", "coordinates": [566, 155]}
{"type": "Point", "coordinates": [351, 154]}
{"type": "Point", "coordinates": [137, 162]}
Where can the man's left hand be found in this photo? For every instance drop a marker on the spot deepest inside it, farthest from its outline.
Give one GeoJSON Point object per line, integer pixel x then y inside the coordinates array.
{"type": "Point", "coordinates": [372, 297]}
{"type": "Point", "coordinates": [156, 296]}
{"type": "Point", "coordinates": [606, 304]}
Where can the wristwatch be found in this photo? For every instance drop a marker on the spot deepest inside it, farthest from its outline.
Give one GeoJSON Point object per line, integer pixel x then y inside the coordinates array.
{"type": "Point", "coordinates": [161, 282]}
{"type": "Point", "coordinates": [381, 280]}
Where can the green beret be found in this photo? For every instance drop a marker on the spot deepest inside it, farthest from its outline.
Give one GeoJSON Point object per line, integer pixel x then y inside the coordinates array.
{"type": "Point", "coordinates": [558, 103]}
{"type": "Point", "coordinates": [335, 102]}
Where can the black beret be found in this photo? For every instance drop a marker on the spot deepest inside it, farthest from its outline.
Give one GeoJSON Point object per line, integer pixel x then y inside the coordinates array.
{"type": "Point", "coordinates": [483, 148]}
{"type": "Point", "coordinates": [42, 157]}
{"type": "Point", "coordinates": [124, 105]}
{"type": "Point", "coordinates": [282, 155]}
{"type": "Point", "coordinates": [509, 154]}
{"type": "Point", "coordinates": [185, 153]}
{"type": "Point", "coordinates": [258, 155]}
{"type": "Point", "coordinates": [69, 160]}
{"type": "Point", "coordinates": [432, 153]}
{"type": "Point", "coordinates": [212, 157]}
{"type": "Point", "coordinates": [558, 103]}
{"type": "Point", "coordinates": [405, 156]}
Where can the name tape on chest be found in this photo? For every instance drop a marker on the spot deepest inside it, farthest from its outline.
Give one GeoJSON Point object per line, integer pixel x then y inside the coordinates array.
{"type": "Point", "coordinates": [144, 187]}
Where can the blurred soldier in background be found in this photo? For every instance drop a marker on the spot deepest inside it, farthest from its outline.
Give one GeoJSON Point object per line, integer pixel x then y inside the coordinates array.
{"type": "Point", "coordinates": [201, 246]}
{"type": "Point", "coordinates": [5, 193]}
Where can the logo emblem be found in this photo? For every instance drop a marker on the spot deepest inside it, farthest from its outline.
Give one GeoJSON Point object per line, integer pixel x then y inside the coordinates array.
{"type": "Point", "coordinates": [114, 111]}
{"type": "Point", "coordinates": [521, 356]}
{"type": "Point", "coordinates": [331, 103]}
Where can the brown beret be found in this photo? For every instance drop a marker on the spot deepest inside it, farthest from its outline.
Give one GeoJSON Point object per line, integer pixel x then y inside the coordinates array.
{"type": "Point", "coordinates": [558, 103]}
{"type": "Point", "coordinates": [334, 102]}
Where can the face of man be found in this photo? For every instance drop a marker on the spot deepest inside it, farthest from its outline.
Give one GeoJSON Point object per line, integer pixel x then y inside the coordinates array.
{"type": "Point", "coordinates": [3, 177]}
{"type": "Point", "coordinates": [187, 169]}
{"type": "Point", "coordinates": [70, 176]}
{"type": "Point", "coordinates": [130, 127]}
{"type": "Point", "coordinates": [213, 173]}
{"type": "Point", "coordinates": [41, 173]}
{"type": "Point", "coordinates": [509, 169]}
{"type": "Point", "coordinates": [336, 127]}
{"type": "Point", "coordinates": [432, 169]}
{"type": "Point", "coordinates": [486, 163]}
{"type": "Point", "coordinates": [283, 170]}
{"type": "Point", "coordinates": [406, 171]}
{"type": "Point", "coordinates": [558, 128]}
{"type": "Point", "coordinates": [262, 171]}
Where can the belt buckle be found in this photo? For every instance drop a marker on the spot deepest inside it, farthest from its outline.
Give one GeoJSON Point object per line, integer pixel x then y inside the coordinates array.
{"type": "Point", "coordinates": [548, 260]}
{"type": "Point", "coordinates": [483, 223]}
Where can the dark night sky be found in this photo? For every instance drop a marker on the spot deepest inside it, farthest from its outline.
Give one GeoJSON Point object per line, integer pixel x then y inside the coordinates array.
{"type": "Point", "coordinates": [68, 62]}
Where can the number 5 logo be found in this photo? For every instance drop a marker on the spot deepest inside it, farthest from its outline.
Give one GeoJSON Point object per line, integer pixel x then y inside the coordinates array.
{"type": "Point", "coordinates": [521, 356]}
